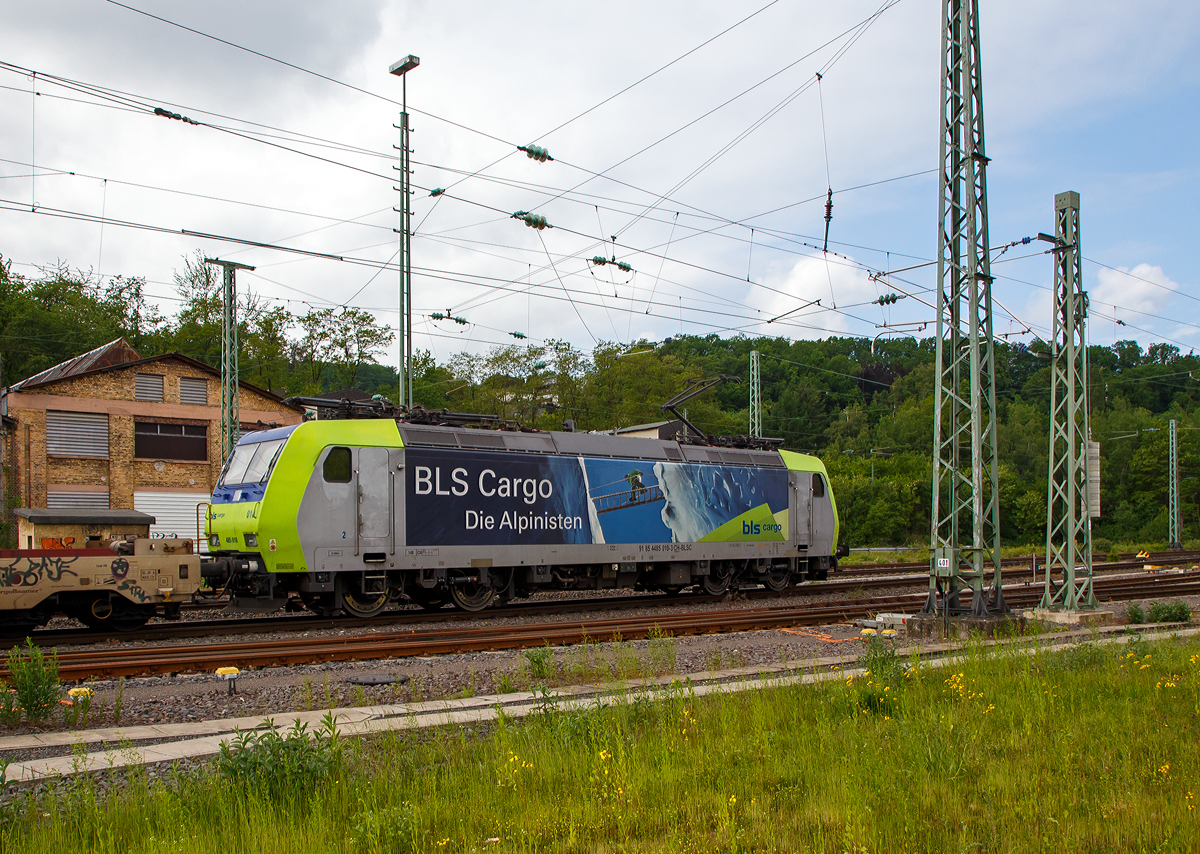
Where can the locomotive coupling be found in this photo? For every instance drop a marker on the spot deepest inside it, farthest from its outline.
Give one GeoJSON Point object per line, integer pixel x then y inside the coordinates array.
{"type": "Point", "coordinates": [222, 569]}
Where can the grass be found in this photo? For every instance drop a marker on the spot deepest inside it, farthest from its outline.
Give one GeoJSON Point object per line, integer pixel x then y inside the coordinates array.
{"type": "Point", "coordinates": [1092, 749]}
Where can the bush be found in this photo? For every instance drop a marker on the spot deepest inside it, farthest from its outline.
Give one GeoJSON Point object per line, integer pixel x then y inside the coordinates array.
{"type": "Point", "coordinates": [1102, 546]}
{"type": "Point", "coordinates": [1135, 614]}
{"type": "Point", "coordinates": [1114, 556]}
{"type": "Point", "coordinates": [1170, 612]}
{"type": "Point", "coordinates": [34, 680]}
{"type": "Point", "coordinates": [283, 765]}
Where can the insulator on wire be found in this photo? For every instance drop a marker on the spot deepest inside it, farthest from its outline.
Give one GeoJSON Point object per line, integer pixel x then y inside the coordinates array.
{"type": "Point", "coordinates": [438, 191]}
{"type": "Point", "coordinates": [623, 267]}
{"type": "Point", "coordinates": [535, 152]}
{"type": "Point", "coordinates": [887, 299]}
{"type": "Point", "coordinates": [461, 321]}
{"type": "Point", "coordinates": [532, 220]}
{"type": "Point", "coordinates": [517, 334]}
{"type": "Point", "coordinates": [538, 366]}
{"type": "Point", "coordinates": [437, 315]}
{"type": "Point", "coordinates": [599, 260]}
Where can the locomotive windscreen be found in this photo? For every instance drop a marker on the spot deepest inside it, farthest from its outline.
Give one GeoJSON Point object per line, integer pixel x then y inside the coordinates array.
{"type": "Point", "coordinates": [458, 497]}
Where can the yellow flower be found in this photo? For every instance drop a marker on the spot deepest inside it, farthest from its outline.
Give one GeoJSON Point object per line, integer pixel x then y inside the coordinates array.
{"type": "Point", "coordinates": [1143, 667]}
{"type": "Point", "coordinates": [733, 799]}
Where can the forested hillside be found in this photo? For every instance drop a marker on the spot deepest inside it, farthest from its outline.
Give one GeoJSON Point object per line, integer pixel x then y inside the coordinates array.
{"type": "Point", "coordinates": [868, 415]}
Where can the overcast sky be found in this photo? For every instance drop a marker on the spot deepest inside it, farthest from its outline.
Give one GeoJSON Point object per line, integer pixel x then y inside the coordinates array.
{"type": "Point", "coordinates": [711, 174]}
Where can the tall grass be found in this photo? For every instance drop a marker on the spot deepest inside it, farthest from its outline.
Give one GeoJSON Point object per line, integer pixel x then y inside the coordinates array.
{"type": "Point", "coordinates": [1094, 749]}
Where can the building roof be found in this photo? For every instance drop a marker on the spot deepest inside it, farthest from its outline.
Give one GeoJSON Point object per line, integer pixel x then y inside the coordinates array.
{"type": "Point", "coordinates": [83, 516]}
{"type": "Point", "coordinates": [108, 355]}
{"type": "Point", "coordinates": [119, 355]}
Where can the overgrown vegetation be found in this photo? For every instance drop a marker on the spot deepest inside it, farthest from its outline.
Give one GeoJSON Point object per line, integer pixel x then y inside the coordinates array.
{"type": "Point", "coordinates": [1160, 612]}
{"type": "Point", "coordinates": [866, 411]}
{"type": "Point", "coordinates": [35, 689]}
{"type": "Point", "coordinates": [1092, 749]}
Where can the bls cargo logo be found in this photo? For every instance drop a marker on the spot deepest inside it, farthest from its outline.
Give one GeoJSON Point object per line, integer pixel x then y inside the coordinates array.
{"type": "Point", "coordinates": [749, 529]}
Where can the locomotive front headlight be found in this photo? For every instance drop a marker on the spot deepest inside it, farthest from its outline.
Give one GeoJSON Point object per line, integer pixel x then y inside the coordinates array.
{"type": "Point", "coordinates": [251, 541]}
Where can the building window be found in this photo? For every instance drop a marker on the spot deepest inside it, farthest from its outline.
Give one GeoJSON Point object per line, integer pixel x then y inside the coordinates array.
{"type": "Point", "coordinates": [149, 387]}
{"type": "Point", "coordinates": [170, 441]}
{"type": "Point", "coordinates": [67, 499]}
{"type": "Point", "coordinates": [193, 390]}
{"type": "Point", "coordinates": [76, 434]}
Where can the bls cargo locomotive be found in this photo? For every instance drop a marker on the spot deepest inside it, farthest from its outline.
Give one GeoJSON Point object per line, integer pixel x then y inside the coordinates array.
{"type": "Point", "coordinates": [349, 512]}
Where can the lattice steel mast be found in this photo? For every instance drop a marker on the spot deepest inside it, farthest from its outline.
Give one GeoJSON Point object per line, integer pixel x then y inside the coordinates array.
{"type": "Point", "coordinates": [230, 409]}
{"type": "Point", "coordinates": [755, 396]}
{"type": "Point", "coordinates": [965, 529]}
{"type": "Point", "coordinates": [1173, 488]}
{"type": "Point", "coordinates": [1069, 499]}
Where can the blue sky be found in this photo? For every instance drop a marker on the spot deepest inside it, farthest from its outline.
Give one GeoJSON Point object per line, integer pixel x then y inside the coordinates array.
{"type": "Point", "coordinates": [1097, 97]}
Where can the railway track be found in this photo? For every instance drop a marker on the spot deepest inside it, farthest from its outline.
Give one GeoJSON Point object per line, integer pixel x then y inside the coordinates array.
{"type": "Point", "coordinates": [311, 622]}
{"type": "Point", "coordinates": [399, 643]}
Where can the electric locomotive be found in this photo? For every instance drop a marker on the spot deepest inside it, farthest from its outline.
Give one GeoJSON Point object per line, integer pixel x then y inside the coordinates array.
{"type": "Point", "coordinates": [370, 504]}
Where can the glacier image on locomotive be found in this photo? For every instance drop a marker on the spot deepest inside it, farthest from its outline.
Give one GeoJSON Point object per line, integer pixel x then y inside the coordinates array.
{"type": "Point", "coordinates": [350, 514]}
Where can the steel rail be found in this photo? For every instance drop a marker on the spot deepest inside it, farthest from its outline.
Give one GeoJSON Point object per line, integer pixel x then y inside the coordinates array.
{"type": "Point", "coordinates": [105, 663]}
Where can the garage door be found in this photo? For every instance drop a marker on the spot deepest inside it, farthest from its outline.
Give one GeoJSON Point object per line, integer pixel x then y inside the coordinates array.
{"type": "Point", "coordinates": [174, 512]}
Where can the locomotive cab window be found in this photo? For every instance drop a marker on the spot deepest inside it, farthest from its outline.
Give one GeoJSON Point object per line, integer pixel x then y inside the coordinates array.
{"type": "Point", "coordinates": [251, 463]}
{"type": "Point", "coordinates": [337, 466]}
{"type": "Point", "coordinates": [818, 486]}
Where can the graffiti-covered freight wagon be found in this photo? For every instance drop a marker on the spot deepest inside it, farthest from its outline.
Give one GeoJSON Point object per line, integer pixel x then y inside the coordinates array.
{"type": "Point", "coordinates": [98, 566]}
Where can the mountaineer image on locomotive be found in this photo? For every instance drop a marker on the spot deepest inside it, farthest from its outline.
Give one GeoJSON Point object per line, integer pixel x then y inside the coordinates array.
{"type": "Point", "coordinates": [366, 506]}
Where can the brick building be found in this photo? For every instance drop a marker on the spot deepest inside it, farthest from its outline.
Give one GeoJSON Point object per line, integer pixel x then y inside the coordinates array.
{"type": "Point", "coordinates": [110, 429]}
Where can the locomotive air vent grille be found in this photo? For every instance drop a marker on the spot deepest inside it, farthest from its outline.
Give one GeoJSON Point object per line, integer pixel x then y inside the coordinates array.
{"type": "Point", "coordinates": [672, 452]}
{"type": "Point", "coordinates": [481, 440]}
{"type": "Point", "coordinates": [428, 437]}
{"type": "Point", "coordinates": [740, 458]}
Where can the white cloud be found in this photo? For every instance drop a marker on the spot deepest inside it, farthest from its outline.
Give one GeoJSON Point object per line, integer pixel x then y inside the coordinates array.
{"type": "Point", "coordinates": [836, 284]}
{"type": "Point", "coordinates": [1144, 288]}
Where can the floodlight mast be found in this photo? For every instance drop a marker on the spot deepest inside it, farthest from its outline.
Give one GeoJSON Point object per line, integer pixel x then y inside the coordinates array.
{"type": "Point", "coordinates": [401, 69]}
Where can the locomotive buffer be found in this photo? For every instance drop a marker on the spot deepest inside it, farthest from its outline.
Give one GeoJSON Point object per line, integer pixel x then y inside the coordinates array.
{"type": "Point", "coordinates": [637, 495]}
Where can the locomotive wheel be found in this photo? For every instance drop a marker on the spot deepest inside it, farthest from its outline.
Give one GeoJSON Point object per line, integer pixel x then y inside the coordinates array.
{"type": "Point", "coordinates": [776, 580]}
{"type": "Point", "coordinates": [362, 605]}
{"type": "Point", "coordinates": [472, 596]}
{"type": "Point", "coordinates": [718, 580]}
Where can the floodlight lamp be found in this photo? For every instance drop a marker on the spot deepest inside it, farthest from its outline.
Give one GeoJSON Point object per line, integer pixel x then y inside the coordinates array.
{"type": "Point", "coordinates": [404, 66]}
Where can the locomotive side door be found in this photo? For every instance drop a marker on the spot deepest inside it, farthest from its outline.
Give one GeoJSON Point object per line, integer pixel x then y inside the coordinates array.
{"type": "Point", "coordinates": [799, 523]}
{"type": "Point", "coordinates": [375, 498]}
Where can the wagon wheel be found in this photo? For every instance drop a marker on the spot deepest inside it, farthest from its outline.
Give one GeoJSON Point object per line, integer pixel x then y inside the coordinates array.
{"type": "Point", "coordinates": [113, 614]}
{"type": "Point", "coordinates": [716, 583]}
{"type": "Point", "coordinates": [472, 596]}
